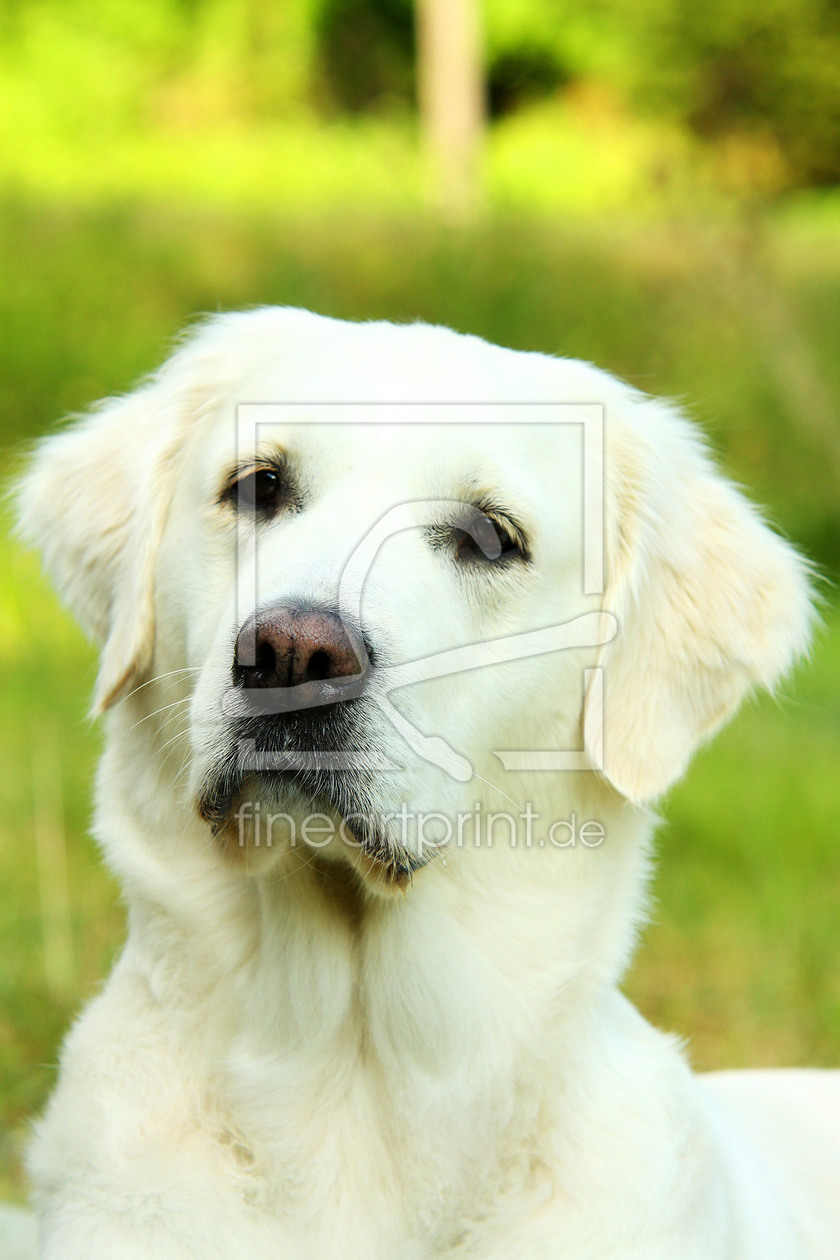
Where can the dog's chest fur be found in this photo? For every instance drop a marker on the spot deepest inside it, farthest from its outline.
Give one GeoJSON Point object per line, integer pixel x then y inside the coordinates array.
{"type": "Point", "coordinates": [381, 1099]}
{"type": "Point", "coordinates": [385, 1089]}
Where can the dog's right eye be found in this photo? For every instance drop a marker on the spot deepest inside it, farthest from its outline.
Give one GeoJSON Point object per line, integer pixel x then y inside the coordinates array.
{"type": "Point", "coordinates": [481, 539]}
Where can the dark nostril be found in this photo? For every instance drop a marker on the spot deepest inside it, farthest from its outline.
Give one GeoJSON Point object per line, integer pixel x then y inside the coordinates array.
{"type": "Point", "coordinates": [319, 666]}
{"type": "Point", "coordinates": [266, 658]}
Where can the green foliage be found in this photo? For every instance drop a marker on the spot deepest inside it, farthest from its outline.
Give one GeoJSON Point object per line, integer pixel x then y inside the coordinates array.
{"type": "Point", "coordinates": [766, 67]}
{"type": "Point", "coordinates": [119, 83]}
{"type": "Point", "coordinates": [520, 75]}
{"type": "Point", "coordinates": [101, 69]}
{"type": "Point", "coordinates": [366, 52]}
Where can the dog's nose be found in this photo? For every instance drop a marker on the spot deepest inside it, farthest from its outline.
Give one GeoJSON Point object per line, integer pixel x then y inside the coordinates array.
{"type": "Point", "coordinates": [287, 647]}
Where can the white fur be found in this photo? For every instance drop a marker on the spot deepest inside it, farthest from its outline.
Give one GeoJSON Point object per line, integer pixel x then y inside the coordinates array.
{"type": "Point", "coordinates": [290, 1060]}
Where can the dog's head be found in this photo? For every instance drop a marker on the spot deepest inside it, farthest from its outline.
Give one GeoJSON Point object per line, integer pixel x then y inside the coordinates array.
{"type": "Point", "coordinates": [363, 572]}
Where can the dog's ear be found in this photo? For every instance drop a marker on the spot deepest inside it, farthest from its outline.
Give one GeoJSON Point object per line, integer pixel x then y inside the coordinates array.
{"type": "Point", "coordinates": [710, 602]}
{"type": "Point", "coordinates": [94, 501]}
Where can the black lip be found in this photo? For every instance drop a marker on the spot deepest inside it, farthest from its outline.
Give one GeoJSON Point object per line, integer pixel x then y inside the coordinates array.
{"type": "Point", "coordinates": [324, 731]}
{"type": "Point", "coordinates": [308, 696]}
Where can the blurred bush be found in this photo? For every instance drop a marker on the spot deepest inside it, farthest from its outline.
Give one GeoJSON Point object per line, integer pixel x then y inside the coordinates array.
{"type": "Point", "coordinates": [366, 53]}
{"type": "Point", "coordinates": [755, 85]}
{"type": "Point", "coordinates": [766, 70]}
{"type": "Point", "coordinates": [523, 74]}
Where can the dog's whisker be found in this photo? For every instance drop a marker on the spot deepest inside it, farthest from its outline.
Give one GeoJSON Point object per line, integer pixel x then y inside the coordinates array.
{"type": "Point", "coordinates": [176, 704]}
{"type": "Point", "coordinates": [172, 744]}
{"type": "Point", "coordinates": [187, 669]}
{"type": "Point", "coordinates": [179, 734]}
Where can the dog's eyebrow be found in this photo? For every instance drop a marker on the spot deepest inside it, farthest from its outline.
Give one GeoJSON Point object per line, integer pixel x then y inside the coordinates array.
{"type": "Point", "coordinates": [492, 503]}
{"type": "Point", "coordinates": [275, 462]}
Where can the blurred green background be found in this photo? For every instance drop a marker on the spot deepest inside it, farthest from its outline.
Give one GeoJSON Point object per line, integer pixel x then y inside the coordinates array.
{"type": "Point", "coordinates": [657, 193]}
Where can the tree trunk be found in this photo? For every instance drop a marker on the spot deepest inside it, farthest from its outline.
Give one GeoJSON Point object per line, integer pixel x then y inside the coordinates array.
{"type": "Point", "coordinates": [450, 78]}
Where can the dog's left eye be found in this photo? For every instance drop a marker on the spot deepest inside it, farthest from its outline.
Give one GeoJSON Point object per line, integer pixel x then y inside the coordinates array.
{"type": "Point", "coordinates": [487, 541]}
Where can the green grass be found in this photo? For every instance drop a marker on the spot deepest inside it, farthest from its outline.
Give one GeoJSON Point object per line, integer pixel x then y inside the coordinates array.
{"type": "Point", "coordinates": [740, 318]}
{"type": "Point", "coordinates": [743, 951]}
{"type": "Point", "coordinates": [47, 674]}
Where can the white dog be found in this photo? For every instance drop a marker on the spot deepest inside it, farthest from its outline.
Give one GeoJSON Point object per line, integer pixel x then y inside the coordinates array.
{"type": "Point", "coordinates": [380, 750]}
